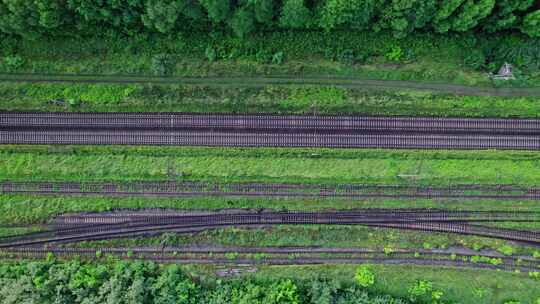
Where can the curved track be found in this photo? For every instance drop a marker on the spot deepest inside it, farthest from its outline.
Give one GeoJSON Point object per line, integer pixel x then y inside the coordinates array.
{"type": "Point", "coordinates": [106, 226]}
{"type": "Point", "coordinates": [268, 131]}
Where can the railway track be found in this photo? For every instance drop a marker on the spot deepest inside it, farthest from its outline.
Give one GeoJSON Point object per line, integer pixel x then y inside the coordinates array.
{"type": "Point", "coordinates": [268, 131]}
{"type": "Point", "coordinates": [194, 189]}
{"type": "Point", "coordinates": [95, 226]}
{"type": "Point", "coordinates": [283, 256]}
{"type": "Point", "coordinates": [187, 121]}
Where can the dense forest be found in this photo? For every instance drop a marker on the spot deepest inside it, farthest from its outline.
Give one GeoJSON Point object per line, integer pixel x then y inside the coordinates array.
{"type": "Point", "coordinates": [32, 18]}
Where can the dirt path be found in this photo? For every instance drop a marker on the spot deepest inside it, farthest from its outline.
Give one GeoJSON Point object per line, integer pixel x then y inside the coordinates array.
{"type": "Point", "coordinates": [355, 83]}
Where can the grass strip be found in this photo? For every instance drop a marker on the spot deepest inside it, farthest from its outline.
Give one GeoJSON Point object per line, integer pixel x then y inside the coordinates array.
{"type": "Point", "coordinates": [333, 236]}
{"type": "Point", "coordinates": [62, 97]}
{"type": "Point", "coordinates": [274, 165]}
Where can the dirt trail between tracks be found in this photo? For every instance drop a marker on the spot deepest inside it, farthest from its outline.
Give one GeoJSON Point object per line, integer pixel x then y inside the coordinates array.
{"type": "Point", "coordinates": [258, 81]}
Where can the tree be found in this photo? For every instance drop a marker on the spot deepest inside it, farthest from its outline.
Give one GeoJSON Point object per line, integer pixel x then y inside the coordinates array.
{"type": "Point", "coordinates": [470, 14]}
{"type": "Point", "coordinates": [403, 17]}
{"type": "Point", "coordinates": [122, 14]}
{"type": "Point", "coordinates": [218, 10]}
{"type": "Point", "coordinates": [19, 17]}
{"type": "Point", "coordinates": [163, 15]}
{"type": "Point", "coordinates": [243, 22]}
{"type": "Point", "coordinates": [531, 24]}
{"type": "Point", "coordinates": [334, 14]}
{"type": "Point", "coordinates": [264, 10]}
{"type": "Point", "coordinates": [294, 14]}
{"type": "Point", "coordinates": [506, 14]}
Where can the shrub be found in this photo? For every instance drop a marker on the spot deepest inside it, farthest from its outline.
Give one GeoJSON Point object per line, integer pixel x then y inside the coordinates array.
{"type": "Point", "coordinates": [277, 58]}
{"type": "Point", "coordinates": [13, 62]}
{"type": "Point", "coordinates": [162, 64]}
{"type": "Point", "coordinates": [475, 59]}
{"type": "Point", "coordinates": [506, 250]}
{"type": "Point", "coordinates": [395, 54]}
{"type": "Point", "coordinates": [210, 54]}
{"type": "Point", "coordinates": [346, 56]}
{"type": "Point", "coordinates": [364, 276]}
{"type": "Point", "coordinates": [420, 288]}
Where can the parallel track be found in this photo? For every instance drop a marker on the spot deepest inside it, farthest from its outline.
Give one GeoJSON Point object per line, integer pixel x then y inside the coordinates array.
{"type": "Point", "coordinates": [268, 131]}
{"type": "Point", "coordinates": [275, 256]}
{"type": "Point", "coordinates": [187, 121]}
{"type": "Point", "coordinates": [194, 189]}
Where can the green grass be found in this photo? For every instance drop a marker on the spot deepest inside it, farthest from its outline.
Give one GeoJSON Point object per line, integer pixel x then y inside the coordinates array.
{"type": "Point", "coordinates": [458, 285]}
{"type": "Point", "coordinates": [354, 236]}
{"type": "Point", "coordinates": [325, 100]}
{"type": "Point", "coordinates": [272, 165]}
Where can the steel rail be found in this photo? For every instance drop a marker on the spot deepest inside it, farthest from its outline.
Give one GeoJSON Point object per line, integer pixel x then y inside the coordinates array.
{"type": "Point", "coordinates": [302, 256]}
{"type": "Point", "coordinates": [94, 228]}
{"type": "Point", "coordinates": [246, 139]}
{"type": "Point", "coordinates": [265, 122]}
{"type": "Point", "coordinates": [346, 191]}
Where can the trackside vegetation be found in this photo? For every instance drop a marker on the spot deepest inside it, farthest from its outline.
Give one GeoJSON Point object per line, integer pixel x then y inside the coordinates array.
{"type": "Point", "coordinates": [271, 99]}
{"type": "Point", "coordinates": [312, 166]}
{"type": "Point", "coordinates": [113, 281]}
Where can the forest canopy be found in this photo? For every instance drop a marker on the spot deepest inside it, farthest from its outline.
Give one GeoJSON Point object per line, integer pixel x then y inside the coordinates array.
{"type": "Point", "coordinates": [35, 18]}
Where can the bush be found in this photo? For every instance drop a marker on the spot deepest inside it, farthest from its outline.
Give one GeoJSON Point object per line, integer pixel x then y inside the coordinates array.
{"type": "Point", "coordinates": [277, 58]}
{"type": "Point", "coordinates": [162, 64]}
{"type": "Point", "coordinates": [395, 54]}
{"type": "Point", "coordinates": [506, 250]}
{"type": "Point", "coordinates": [210, 54]}
{"type": "Point", "coordinates": [346, 56]}
{"type": "Point", "coordinates": [419, 289]}
{"type": "Point", "coordinates": [475, 60]}
{"type": "Point", "coordinates": [364, 276]}
{"type": "Point", "coordinates": [13, 62]}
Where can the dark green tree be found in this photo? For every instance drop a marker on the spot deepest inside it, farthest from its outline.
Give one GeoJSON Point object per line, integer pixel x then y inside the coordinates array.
{"type": "Point", "coordinates": [295, 14]}
{"type": "Point", "coordinates": [163, 15]}
{"type": "Point", "coordinates": [531, 24]}
{"type": "Point", "coordinates": [506, 14]}
{"type": "Point", "coordinates": [243, 22]}
{"type": "Point", "coordinates": [218, 10]}
{"type": "Point", "coordinates": [334, 14]}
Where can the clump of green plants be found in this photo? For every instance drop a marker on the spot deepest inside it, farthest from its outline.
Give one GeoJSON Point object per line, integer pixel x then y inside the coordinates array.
{"type": "Point", "coordinates": [163, 64]}
{"type": "Point", "coordinates": [364, 276]}
{"type": "Point", "coordinates": [13, 62]}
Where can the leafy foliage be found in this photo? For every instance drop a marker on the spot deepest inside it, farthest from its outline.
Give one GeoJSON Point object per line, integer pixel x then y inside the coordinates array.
{"type": "Point", "coordinates": [145, 282]}
{"type": "Point", "coordinates": [364, 276]}
{"type": "Point", "coordinates": [32, 19]}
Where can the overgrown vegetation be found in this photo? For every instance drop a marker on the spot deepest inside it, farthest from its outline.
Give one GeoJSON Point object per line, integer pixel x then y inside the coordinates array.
{"type": "Point", "coordinates": [113, 281]}
{"type": "Point", "coordinates": [426, 57]}
{"type": "Point", "coordinates": [271, 99]}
